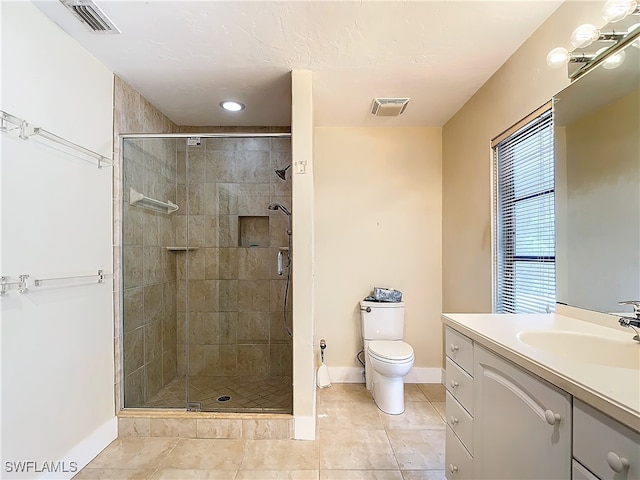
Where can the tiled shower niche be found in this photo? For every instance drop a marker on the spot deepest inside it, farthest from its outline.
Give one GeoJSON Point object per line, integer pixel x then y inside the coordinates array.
{"type": "Point", "coordinates": [253, 231]}
{"type": "Point", "coordinates": [215, 326]}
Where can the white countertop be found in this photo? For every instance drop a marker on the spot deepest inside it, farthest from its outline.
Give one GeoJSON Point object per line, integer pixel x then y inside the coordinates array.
{"type": "Point", "coordinates": [612, 390]}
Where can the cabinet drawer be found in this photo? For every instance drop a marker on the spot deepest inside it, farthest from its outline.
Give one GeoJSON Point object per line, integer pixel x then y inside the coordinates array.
{"type": "Point", "coordinates": [460, 422]}
{"type": "Point", "coordinates": [459, 464]}
{"type": "Point", "coordinates": [599, 441]}
{"type": "Point", "coordinates": [459, 349]}
{"type": "Point", "coordinates": [578, 472]}
{"type": "Point", "coordinates": [460, 384]}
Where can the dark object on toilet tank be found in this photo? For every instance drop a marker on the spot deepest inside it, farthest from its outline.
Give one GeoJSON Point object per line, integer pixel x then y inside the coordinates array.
{"type": "Point", "coordinates": [386, 295]}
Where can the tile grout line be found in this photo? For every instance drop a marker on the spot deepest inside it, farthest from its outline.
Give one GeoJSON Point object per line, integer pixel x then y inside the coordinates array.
{"type": "Point", "coordinates": [161, 462]}
{"type": "Point", "coordinates": [244, 453]}
{"type": "Point", "coordinates": [395, 455]}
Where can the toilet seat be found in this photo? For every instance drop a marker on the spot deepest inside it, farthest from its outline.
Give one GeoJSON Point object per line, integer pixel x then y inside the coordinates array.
{"type": "Point", "coordinates": [391, 351]}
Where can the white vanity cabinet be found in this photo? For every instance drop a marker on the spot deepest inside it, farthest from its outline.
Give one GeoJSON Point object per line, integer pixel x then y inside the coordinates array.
{"type": "Point", "coordinates": [459, 408]}
{"type": "Point", "coordinates": [517, 423]}
{"type": "Point", "coordinates": [502, 422]}
{"type": "Point", "coordinates": [608, 449]}
{"type": "Point", "coordinates": [522, 424]}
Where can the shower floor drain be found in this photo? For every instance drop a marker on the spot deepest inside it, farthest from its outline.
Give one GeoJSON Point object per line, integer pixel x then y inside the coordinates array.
{"type": "Point", "coordinates": [224, 398]}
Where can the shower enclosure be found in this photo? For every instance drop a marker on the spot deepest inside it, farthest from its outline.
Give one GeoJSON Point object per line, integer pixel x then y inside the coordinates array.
{"type": "Point", "coordinates": [206, 312]}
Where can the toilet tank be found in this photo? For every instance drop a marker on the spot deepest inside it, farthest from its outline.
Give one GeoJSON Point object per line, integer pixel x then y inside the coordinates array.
{"type": "Point", "coordinates": [382, 321]}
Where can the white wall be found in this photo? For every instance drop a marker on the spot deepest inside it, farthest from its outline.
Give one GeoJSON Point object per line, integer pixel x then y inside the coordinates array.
{"type": "Point", "coordinates": [57, 341]}
{"type": "Point", "coordinates": [521, 85]}
{"type": "Point", "coordinates": [378, 216]}
{"type": "Point", "coordinates": [304, 406]}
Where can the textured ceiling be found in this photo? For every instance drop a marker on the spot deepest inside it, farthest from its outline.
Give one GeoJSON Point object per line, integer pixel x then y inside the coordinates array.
{"type": "Point", "coordinates": [185, 57]}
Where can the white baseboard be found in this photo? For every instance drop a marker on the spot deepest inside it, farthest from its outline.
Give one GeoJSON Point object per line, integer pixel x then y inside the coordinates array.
{"type": "Point", "coordinates": [355, 375]}
{"type": "Point", "coordinates": [424, 375]}
{"type": "Point", "coordinates": [85, 451]}
{"type": "Point", "coordinates": [346, 374]}
{"type": "Point", "coordinates": [304, 428]}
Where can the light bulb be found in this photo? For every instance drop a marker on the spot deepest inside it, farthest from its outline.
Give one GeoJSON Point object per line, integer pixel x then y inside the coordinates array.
{"type": "Point", "coordinates": [584, 35]}
{"type": "Point", "coordinates": [612, 61]}
{"type": "Point", "coordinates": [232, 105]}
{"type": "Point", "coordinates": [558, 57]}
{"type": "Point", "coordinates": [615, 10]}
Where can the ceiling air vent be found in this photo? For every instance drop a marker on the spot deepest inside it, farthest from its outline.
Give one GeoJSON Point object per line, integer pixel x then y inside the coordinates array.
{"type": "Point", "coordinates": [91, 15]}
{"type": "Point", "coordinates": [389, 107]}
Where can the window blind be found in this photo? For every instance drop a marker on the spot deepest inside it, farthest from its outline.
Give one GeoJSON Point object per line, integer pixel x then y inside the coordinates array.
{"type": "Point", "coordinates": [524, 209]}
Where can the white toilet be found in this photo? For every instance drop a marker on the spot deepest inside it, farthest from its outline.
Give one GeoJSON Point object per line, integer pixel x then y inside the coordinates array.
{"type": "Point", "coordinates": [387, 358]}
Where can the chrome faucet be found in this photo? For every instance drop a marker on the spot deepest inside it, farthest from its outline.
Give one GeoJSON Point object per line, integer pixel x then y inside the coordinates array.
{"type": "Point", "coordinates": [632, 322]}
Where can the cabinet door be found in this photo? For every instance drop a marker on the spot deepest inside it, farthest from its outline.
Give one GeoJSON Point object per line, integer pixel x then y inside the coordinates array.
{"type": "Point", "coordinates": [522, 424]}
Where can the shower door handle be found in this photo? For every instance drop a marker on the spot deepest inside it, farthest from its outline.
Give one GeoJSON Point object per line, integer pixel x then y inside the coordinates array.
{"type": "Point", "coordinates": [280, 262]}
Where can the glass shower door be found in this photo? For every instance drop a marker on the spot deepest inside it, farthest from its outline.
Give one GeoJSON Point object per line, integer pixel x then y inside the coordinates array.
{"type": "Point", "coordinates": [212, 317]}
{"type": "Point", "coordinates": [239, 356]}
{"type": "Point", "coordinates": [151, 258]}
{"type": "Point", "coordinates": [205, 321]}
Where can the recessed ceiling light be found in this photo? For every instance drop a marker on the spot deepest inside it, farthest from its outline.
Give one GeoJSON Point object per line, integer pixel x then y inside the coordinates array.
{"type": "Point", "coordinates": [232, 105]}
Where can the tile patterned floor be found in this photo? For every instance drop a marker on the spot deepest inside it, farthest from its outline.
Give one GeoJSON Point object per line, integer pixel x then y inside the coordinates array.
{"type": "Point", "coordinates": [247, 394]}
{"type": "Point", "coordinates": [355, 441]}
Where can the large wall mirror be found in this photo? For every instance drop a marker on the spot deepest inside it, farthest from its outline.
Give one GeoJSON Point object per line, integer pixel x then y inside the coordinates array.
{"type": "Point", "coordinates": [597, 143]}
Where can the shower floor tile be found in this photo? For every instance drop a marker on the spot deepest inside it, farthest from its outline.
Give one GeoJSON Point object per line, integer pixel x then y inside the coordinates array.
{"type": "Point", "coordinates": [246, 394]}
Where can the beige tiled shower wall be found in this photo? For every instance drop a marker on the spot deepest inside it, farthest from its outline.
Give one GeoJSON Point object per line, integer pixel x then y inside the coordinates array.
{"type": "Point", "coordinates": [236, 298]}
{"type": "Point", "coordinates": [145, 342]}
{"type": "Point", "coordinates": [149, 270]}
{"type": "Point", "coordinates": [245, 333]}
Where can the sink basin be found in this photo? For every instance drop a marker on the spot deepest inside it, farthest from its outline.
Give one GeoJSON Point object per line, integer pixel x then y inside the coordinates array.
{"type": "Point", "coordinates": [587, 348]}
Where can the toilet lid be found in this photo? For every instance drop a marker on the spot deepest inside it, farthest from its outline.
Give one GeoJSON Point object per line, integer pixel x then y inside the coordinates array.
{"type": "Point", "coordinates": [391, 350]}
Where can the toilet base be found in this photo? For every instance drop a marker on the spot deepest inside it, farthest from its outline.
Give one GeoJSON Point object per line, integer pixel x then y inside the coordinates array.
{"type": "Point", "coordinates": [388, 393]}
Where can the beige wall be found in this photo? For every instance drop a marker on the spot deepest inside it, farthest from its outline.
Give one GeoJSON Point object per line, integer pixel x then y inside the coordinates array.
{"type": "Point", "coordinates": [521, 85]}
{"type": "Point", "coordinates": [377, 223]}
{"type": "Point", "coordinates": [304, 406]}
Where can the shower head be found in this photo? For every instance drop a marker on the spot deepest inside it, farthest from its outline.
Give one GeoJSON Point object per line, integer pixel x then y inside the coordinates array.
{"type": "Point", "coordinates": [279, 206]}
{"type": "Point", "coordinates": [283, 172]}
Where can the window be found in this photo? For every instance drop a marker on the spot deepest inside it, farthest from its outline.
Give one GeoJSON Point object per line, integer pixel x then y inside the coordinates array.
{"type": "Point", "coordinates": [524, 209]}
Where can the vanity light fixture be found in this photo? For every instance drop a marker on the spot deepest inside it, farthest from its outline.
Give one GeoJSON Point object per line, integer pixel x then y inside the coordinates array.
{"type": "Point", "coordinates": [616, 10]}
{"type": "Point", "coordinates": [232, 105]}
{"type": "Point", "coordinates": [559, 57]}
{"type": "Point", "coordinates": [610, 56]}
{"type": "Point", "coordinates": [586, 34]}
